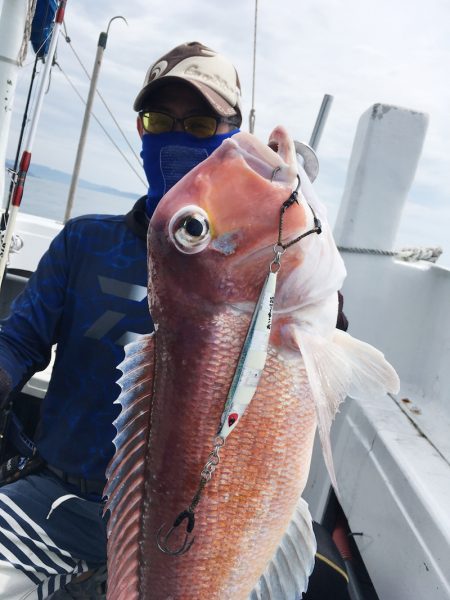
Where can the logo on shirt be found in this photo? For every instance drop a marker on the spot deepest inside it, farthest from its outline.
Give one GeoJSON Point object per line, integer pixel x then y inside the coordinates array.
{"type": "Point", "coordinates": [110, 318]}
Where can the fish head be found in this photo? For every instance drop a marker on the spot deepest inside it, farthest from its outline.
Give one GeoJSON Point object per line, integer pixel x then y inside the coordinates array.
{"type": "Point", "coordinates": [212, 236]}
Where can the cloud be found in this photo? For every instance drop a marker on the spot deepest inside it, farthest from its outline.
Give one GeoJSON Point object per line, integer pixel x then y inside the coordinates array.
{"type": "Point", "coordinates": [362, 53]}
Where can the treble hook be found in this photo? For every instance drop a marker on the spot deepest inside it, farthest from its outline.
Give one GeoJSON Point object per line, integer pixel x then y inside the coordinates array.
{"type": "Point", "coordinates": [162, 541]}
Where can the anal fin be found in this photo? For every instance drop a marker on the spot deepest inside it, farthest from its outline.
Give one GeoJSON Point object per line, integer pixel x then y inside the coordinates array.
{"type": "Point", "coordinates": [287, 574]}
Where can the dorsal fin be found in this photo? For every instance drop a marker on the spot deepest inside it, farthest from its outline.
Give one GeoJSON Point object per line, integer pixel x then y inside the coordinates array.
{"type": "Point", "coordinates": [125, 473]}
{"type": "Point", "coordinates": [287, 574]}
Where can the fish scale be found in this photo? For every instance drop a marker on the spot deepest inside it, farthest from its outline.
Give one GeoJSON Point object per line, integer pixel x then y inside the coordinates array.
{"type": "Point", "coordinates": [258, 482]}
{"type": "Point", "coordinates": [250, 500]}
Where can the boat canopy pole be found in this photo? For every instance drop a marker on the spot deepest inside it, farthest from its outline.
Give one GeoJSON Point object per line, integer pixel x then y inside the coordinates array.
{"type": "Point", "coordinates": [320, 121]}
{"type": "Point", "coordinates": [87, 116]}
{"type": "Point", "coordinates": [26, 155]}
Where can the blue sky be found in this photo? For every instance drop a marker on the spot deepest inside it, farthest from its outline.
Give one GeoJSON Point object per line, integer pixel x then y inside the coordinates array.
{"type": "Point", "coordinates": [393, 51]}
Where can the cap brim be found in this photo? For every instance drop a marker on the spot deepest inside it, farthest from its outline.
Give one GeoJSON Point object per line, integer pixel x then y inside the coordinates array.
{"type": "Point", "coordinates": [217, 103]}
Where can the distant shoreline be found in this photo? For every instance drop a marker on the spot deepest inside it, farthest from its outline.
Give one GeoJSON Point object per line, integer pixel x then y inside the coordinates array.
{"type": "Point", "coordinates": [43, 172]}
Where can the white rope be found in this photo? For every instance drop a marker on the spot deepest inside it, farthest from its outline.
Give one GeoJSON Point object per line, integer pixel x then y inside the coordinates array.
{"type": "Point", "coordinates": [413, 254]}
{"type": "Point", "coordinates": [27, 31]}
{"type": "Point", "coordinates": [406, 254]}
{"type": "Point", "coordinates": [16, 242]}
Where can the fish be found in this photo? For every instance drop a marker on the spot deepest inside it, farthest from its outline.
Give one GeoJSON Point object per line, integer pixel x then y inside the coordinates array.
{"type": "Point", "coordinates": [189, 456]}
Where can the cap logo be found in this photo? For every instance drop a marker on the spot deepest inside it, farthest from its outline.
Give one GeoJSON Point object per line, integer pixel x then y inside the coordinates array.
{"type": "Point", "coordinates": [211, 79]}
{"type": "Point", "coordinates": [158, 70]}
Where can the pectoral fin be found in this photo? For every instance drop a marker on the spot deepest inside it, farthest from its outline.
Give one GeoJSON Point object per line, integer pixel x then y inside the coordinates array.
{"type": "Point", "coordinates": [337, 368]}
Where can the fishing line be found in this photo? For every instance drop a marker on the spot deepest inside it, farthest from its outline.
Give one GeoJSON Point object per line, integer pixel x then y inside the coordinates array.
{"type": "Point", "coordinates": [116, 123]}
{"type": "Point", "coordinates": [252, 116]}
{"type": "Point", "coordinates": [289, 202]}
{"type": "Point", "coordinates": [102, 127]}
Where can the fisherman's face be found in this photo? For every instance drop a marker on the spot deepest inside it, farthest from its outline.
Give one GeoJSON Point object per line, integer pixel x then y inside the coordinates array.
{"type": "Point", "coordinates": [180, 101]}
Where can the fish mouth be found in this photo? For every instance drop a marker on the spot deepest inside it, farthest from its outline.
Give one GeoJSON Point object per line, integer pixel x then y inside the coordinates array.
{"type": "Point", "coordinates": [275, 162]}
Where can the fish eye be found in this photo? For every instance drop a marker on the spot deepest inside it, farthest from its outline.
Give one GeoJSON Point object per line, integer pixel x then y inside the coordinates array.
{"type": "Point", "coordinates": [189, 230]}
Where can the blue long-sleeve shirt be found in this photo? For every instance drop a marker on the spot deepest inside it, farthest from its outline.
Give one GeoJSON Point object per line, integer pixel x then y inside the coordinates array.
{"type": "Point", "coordinates": [88, 295]}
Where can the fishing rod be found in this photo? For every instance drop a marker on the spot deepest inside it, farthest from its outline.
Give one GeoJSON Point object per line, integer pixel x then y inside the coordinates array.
{"type": "Point", "coordinates": [19, 143]}
{"type": "Point", "coordinates": [25, 160]}
{"type": "Point", "coordinates": [15, 20]}
{"type": "Point", "coordinates": [40, 42]}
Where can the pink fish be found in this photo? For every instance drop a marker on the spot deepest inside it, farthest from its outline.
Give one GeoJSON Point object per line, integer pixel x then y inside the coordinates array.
{"type": "Point", "coordinates": [211, 245]}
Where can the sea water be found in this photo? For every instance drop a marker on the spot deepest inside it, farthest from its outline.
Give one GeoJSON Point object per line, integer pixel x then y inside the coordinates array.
{"type": "Point", "coordinates": [421, 226]}
{"type": "Point", "coordinates": [48, 199]}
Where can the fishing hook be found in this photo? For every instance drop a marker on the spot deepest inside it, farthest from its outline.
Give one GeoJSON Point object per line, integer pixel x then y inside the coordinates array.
{"type": "Point", "coordinates": [286, 204]}
{"type": "Point", "coordinates": [274, 172]}
{"type": "Point", "coordinates": [163, 541]}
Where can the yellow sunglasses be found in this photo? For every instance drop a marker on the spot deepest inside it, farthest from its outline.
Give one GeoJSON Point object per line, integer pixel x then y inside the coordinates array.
{"type": "Point", "coordinates": [200, 126]}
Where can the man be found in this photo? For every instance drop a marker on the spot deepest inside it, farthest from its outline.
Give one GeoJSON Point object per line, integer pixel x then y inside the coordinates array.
{"type": "Point", "coordinates": [88, 296]}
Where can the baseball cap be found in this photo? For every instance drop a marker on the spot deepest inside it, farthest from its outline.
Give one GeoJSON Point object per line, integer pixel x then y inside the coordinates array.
{"type": "Point", "coordinates": [202, 68]}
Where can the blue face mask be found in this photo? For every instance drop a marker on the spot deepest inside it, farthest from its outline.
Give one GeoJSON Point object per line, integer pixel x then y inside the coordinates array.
{"type": "Point", "coordinates": [167, 157]}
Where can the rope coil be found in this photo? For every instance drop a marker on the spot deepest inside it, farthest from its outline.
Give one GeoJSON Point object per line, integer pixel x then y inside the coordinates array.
{"type": "Point", "coordinates": [406, 254]}
{"type": "Point", "coordinates": [31, 9]}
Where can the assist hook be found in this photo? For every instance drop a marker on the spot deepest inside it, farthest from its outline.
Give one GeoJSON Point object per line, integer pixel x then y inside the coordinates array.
{"type": "Point", "coordinates": [163, 540]}
{"type": "Point", "coordinates": [293, 198]}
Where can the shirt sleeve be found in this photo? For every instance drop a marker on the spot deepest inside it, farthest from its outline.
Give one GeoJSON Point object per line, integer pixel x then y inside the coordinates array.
{"type": "Point", "coordinates": [27, 335]}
